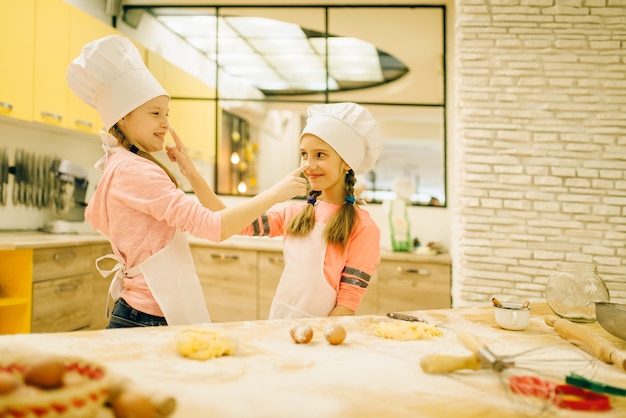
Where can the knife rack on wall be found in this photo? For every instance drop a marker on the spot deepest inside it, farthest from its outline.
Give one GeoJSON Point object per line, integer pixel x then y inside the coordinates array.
{"type": "Point", "coordinates": [35, 182]}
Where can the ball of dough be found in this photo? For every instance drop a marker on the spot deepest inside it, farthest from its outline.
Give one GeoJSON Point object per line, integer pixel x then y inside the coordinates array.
{"type": "Point", "coordinates": [301, 333]}
{"type": "Point", "coordinates": [204, 344]}
{"type": "Point", "coordinates": [335, 334]}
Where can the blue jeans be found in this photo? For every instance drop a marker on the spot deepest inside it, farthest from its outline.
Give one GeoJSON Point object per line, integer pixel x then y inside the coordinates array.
{"type": "Point", "coordinates": [125, 316]}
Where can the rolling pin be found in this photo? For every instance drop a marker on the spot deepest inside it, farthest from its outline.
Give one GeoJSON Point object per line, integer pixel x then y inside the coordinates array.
{"type": "Point", "coordinates": [595, 345]}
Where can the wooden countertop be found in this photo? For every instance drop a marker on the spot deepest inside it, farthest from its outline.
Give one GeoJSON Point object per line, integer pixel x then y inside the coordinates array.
{"type": "Point", "coordinates": [14, 240]}
{"type": "Point", "coordinates": [366, 376]}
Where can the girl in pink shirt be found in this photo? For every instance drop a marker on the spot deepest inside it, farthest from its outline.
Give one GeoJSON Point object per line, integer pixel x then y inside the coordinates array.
{"type": "Point", "coordinates": [331, 246]}
{"type": "Point", "coordinates": [137, 203]}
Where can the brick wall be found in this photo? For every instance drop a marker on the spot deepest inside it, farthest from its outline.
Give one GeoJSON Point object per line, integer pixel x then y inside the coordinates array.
{"type": "Point", "coordinates": [539, 144]}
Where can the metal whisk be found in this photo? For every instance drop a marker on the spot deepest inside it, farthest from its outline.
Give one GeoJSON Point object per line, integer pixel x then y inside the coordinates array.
{"type": "Point", "coordinates": [528, 376]}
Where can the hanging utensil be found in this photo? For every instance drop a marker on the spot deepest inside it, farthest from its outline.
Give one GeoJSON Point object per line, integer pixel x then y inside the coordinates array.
{"type": "Point", "coordinates": [4, 176]}
{"type": "Point", "coordinates": [17, 178]}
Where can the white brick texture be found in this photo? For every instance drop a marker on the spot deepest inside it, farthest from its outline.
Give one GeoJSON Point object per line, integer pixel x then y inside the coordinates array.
{"type": "Point", "coordinates": [540, 144]}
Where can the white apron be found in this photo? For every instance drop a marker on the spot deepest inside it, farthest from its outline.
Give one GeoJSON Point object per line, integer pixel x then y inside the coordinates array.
{"type": "Point", "coordinates": [303, 290]}
{"type": "Point", "coordinates": [171, 277]}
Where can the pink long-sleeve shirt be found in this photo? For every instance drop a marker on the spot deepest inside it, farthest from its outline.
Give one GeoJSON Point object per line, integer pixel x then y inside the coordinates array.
{"type": "Point", "coordinates": [358, 262]}
{"type": "Point", "coordinates": [139, 209]}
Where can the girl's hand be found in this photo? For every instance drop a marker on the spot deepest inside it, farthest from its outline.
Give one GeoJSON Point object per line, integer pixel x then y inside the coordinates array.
{"type": "Point", "coordinates": [179, 154]}
{"type": "Point", "coordinates": [291, 185]}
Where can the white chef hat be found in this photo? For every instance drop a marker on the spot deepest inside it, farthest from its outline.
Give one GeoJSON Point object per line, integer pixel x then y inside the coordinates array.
{"type": "Point", "coordinates": [110, 76]}
{"type": "Point", "coordinates": [350, 129]}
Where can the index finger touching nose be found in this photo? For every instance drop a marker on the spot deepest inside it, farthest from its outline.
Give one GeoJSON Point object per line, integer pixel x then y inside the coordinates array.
{"type": "Point", "coordinates": [300, 169]}
{"type": "Point", "coordinates": [175, 136]}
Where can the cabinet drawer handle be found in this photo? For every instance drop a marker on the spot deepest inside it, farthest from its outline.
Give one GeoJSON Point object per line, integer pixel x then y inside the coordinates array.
{"type": "Point", "coordinates": [66, 288]}
{"type": "Point", "coordinates": [51, 115]}
{"type": "Point", "coordinates": [276, 260]}
{"type": "Point", "coordinates": [64, 256]}
{"type": "Point", "coordinates": [84, 124]}
{"type": "Point", "coordinates": [225, 257]}
{"type": "Point", "coordinates": [420, 272]}
{"type": "Point", "coordinates": [6, 107]}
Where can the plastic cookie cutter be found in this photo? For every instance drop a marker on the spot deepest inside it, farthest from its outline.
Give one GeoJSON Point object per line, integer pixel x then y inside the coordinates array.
{"type": "Point", "coordinates": [582, 382]}
{"type": "Point", "coordinates": [563, 396]}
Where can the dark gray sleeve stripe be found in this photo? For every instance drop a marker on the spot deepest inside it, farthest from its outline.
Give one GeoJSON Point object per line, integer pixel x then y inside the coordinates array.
{"type": "Point", "coordinates": [353, 281]}
{"type": "Point", "coordinates": [255, 226]}
{"type": "Point", "coordinates": [266, 224]}
{"type": "Point", "coordinates": [358, 273]}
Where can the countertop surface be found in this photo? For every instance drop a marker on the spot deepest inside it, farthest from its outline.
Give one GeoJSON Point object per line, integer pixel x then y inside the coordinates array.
{"type": "Point", "coordinates": [12, 240]}
{"type": "Point", "coordinates": [366, 376]}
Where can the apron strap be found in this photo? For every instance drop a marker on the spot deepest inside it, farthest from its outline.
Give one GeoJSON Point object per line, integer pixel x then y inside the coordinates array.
{"type": "Point", "coordinates": [115, 288]}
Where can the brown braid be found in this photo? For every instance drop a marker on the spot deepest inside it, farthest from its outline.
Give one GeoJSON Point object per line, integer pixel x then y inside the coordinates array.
{"type": "Point", "coordinates": [340, 225]}
{"type": "Point", "coordinates": [125, 142]}
{"type": "Point", "coordinates": [304, 221]}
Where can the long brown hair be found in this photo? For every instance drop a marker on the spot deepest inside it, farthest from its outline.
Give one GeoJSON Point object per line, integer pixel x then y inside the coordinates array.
{"type": "Point", "coordinates": [339, 226]}
{"type": "Point", "coordinates": [125, 142]}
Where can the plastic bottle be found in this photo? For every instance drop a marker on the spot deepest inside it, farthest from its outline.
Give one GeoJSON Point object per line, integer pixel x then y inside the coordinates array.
{"type": "Point", "coordinates": [399, 225]}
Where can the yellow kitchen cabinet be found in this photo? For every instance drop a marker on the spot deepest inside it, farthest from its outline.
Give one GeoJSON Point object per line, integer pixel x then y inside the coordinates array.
{"type": "Point", "coordinates": [83, 29]}
{"type": "Point", "coordinates": [408, 285]}
{"type": "Point", "coordinates": [17, 31]}
{"type": "Point", "coordinates": [176, 81]}
{"type": "Point", "coordinates": [194, 122]}
{"type": "Point", "coordinates": [229, 282]}
{"type": "Point", "coordinates": [15, 291]}
{"type": "Point", "coordinates": [271, 266]}
{"type": "Point", "coordinates": [192, 112]}
{"type": "Point", "coordinates": [52, 41]}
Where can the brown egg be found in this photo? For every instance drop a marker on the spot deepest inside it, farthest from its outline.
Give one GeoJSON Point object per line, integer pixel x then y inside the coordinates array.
{"type": "Point", "coordinates": [131, 404]}
{"type": "Point", "coordinates": [334, 333]}
{"type": "Point", "coordinates": [301, 333]}
{"type": "Point", "coordinates": [45, 373]}
{"type": "Point", "coordinates": [8, 382]}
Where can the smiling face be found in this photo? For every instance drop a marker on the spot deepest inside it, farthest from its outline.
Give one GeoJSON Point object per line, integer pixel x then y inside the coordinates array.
{"type": "Point", "coordinates": [326, 170]}
{"type": "Point", "coordinates": [147, 125]}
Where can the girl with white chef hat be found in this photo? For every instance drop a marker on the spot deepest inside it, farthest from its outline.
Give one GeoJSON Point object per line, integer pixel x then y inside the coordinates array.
{"type": "Point", "coordinates": [331, 246]}
{"type": "Point", "coordinates": [137, 203]}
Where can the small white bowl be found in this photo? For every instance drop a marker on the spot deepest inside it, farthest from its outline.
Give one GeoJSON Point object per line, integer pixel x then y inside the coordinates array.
{"type": "Point", "coordinates": [512, 316]}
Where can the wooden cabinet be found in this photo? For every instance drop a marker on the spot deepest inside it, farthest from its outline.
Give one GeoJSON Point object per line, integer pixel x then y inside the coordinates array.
{"type": "Point", "coordinates": [52, 40]}
{"type": "Point", "coordinates": [62, 289]}
{"type": "Point", "coordinates": [271, 266]}
{"type": "Point", "coordinates": [15, 291]}
{"type": "Point", "coordinates": [17, 31]}
{"type": "Point", "coordinates": [229, 282]}
{"type": "Point", "coordinates": [238, 281]}
{"type": "Point", "coordinates": [405, 285]}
